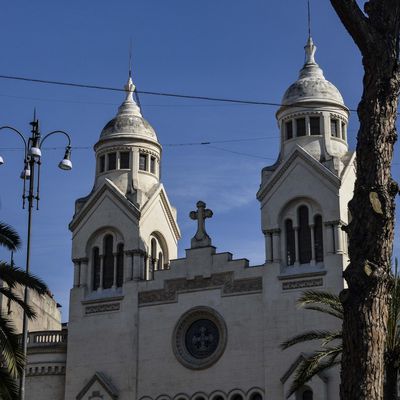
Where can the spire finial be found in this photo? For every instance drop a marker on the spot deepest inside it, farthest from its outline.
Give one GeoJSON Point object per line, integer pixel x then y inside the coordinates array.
{"type": "Point", "coordinates": [310, 49]}
{"type": "Point", "coordinates": [130, 58]}
{"type": "Point", "coordinates": [309, 19]}
{"type": "Point", "coordinates": [130, 87]}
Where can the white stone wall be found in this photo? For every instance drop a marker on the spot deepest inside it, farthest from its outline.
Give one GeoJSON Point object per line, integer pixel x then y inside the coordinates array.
{"type": "Point", "coordinates": [48, 316]}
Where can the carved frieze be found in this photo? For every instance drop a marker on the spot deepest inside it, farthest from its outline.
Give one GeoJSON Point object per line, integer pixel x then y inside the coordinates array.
{"type": "Point", "coordinates": [224, 280]}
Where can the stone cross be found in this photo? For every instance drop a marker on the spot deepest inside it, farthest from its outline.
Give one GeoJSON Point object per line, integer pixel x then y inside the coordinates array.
{"type": "Point", "coordinates": [201, 239]}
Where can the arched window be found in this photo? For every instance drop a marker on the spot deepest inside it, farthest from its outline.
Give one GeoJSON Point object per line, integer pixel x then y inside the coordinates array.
{"type": "Point", "coordinates": [108, 262]}
{"type": "Point", "coordinates": [307, 395]}
{"type": "Point", "coordinates": [256, 396]}
{"type": "Point", "coordinates": [96, 268]}
{"type": "Point", "coordinates": [318, 239]}
{"type": "Point", "coordinates": [237, 397]}
{"type": "Point", "coordinates": [304, 236]}
{"type": "Point", "coordinates": [290, 243]}
{"type": "Point", "coordinates": [120, 265]}
{"type": "Point", "coordinates": [153, 254]}
{"type": "Point", "coordinates": [160, 261]}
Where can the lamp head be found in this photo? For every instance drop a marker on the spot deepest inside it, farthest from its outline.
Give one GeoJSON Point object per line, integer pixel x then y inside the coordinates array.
{"type": "Point", "coordinates": [66, 164]}
{"type": "Point", "coordinates": [35, 152]}
{"type": "Point", "coordinates": [26, 173]}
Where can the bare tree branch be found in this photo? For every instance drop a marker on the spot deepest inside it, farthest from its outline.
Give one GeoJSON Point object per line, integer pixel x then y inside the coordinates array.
{"type": "Point", "coordinates": [355, 21]}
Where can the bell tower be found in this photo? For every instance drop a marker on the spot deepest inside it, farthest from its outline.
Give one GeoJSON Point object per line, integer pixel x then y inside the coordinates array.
{"type": "Point", "coordinates": [304, 195]}
{"type": "Point", "coordinates": [122, 232]}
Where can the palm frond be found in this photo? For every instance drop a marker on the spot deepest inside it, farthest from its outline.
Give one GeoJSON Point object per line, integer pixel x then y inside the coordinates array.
{"type": "Point", "coordinates": [7, 292]}
{"type": "Point", "coordinates": [314, 364]}
{"type": "Point", "coordinates": [9, 389]}
{"type": "Point", "coordinates": [14, 275]}
{"type": "Point", "coordinates": [324, 310]}
{"type": "Point", "coordinates": [325, 336]}
{"type": "Point", "coordinates": [10, 347]}
{"type": "Point", "coordinates": [9, 237]}
{"type": "Point", "coordinates": [315, 297]}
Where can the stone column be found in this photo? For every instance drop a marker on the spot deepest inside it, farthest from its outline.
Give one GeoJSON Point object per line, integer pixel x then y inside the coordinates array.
{"type": "Point", "coordinates": [312, 262]}
{"type": "Point", "coordinates": [128, 265]}
{"type": "Point", "coordinates": [296, 243]}
{"type": "Point", "coordinates": [83, 272]}
{"type": "Point", "coordinates": [268, 246]}
{"type": "Point", "coordinates": [339, 237]}
{"type": "Point", "coordinates": [76, 272]}
{"type": "Point", "coordinates": [275, 238]}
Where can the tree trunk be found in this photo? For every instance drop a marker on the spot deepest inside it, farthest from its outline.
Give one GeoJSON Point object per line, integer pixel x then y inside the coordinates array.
{"type": "Point", "coordinates": [371, 230]}
{"type": "Point", "coordinates": [391, 369]}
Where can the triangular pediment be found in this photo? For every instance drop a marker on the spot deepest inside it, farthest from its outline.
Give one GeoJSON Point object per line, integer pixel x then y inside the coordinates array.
{"type": "Point", "coordinates": [98, 388]}
{"type": "Point", "coordinates": [299, 155]}
{"type": "Point", "coordinates": [160, 195]}
{"type": "Point", "coordinates": [107, 189]}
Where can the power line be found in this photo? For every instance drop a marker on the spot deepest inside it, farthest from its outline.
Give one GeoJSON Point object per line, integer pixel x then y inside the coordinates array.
{"type": "Point", "coordinates": [150, 93]}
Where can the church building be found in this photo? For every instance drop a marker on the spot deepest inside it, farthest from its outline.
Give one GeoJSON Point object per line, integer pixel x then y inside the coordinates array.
{"type": "Point", "coordinates": [146, 325]}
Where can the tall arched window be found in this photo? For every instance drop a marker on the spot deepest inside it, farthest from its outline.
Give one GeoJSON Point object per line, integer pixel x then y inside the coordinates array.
{"type": "Point", "coordinates": [160, 261]}
{"type": "Point", "coordinates": [153, 254]}
{"type": "Point", "coordinates": [290, 243]}
{"type": "Point", "coordinates": [307, 395]}
{"type": "Point", "coordinates": [318, 239]}
{"type": "Point", "coordinates": [108, 262]}
{"type": "Point", "coordinates": [96, 268]}
{"type": "Point", "coordinates": [304, 236]}
{"type": "Point", "coordinates": [120, 265]}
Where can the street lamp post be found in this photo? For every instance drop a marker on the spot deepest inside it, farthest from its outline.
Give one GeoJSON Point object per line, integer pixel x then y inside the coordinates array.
{"type": "Point", "coordinates": [32, 163]}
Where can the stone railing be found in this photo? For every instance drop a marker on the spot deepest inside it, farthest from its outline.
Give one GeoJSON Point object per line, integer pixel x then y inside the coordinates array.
{"type": "Point", "coordinates": [47, 338]}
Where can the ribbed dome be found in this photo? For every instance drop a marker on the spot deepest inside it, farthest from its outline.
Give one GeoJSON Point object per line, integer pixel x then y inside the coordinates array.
{"type": "Point", "coordinates": [129, 120]}
{"type": "Point", "coordinates": [311, 85]}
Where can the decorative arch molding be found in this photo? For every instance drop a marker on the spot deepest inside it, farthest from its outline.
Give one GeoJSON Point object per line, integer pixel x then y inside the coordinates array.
{"type": "Point", "coordinates": [105, 255]}
{"type": "Point", "coordinates": [158, 254]}
{"type": "Point", "coordinates": [163, 397]}
{"type": "Point", "coordinates": [250, 395]}
{"type": "Point", "coordinates": [289, 210]}
{"type": "Point", "coordinates": [181, 396]}
{"type": "Point", "coordinates": [236, 394]}
{"type": "Point", "coordinates": [199, 396]}
{"type": "Point", "coordinates": [218, 394]}
{"type": "Point", "coordinates": [96, 238]}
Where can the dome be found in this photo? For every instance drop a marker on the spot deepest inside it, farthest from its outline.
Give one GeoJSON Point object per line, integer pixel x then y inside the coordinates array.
{"type": "Point", "coordinates": [129, 120]}
{"type": "Point", "coordinates": [311, 85]}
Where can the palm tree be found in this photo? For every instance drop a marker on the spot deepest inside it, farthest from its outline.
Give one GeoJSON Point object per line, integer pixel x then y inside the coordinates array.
{"type": "Point", "coordinates": [11, 357]}
{"type": "Point", "coordinates": [329, 354]}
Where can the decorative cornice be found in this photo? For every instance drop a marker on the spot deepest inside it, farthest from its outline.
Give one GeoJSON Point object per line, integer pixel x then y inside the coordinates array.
{"type": "Point", "coordinates": [102, 300]}
{"type": "Point", "coordinates": [47, 369]}
{"type": "Point", "coordinates": [301, 275]}
{"type": "Point", "coordinates": [223, 280]}
{"type": "Point", "coordinates": [169, 214]}
{"type": "Point", "coordinates": [135, 251]}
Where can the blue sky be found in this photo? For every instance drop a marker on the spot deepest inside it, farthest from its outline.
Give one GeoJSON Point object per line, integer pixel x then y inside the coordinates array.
{"type": "Point", "coordinates": [234, 49]}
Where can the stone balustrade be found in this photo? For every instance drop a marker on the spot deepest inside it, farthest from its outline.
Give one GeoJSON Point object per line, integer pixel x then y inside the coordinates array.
{"type": "Point", "coordinates": [47, 338]}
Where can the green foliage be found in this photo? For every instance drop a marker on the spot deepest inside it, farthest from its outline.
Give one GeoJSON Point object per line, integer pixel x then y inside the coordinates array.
{"type": "Point", "coordinates": [331, 346]}
{"type": "Point", "coordinates": [329, 354]}
{"type": "Point", "coordinates": [12, 361]}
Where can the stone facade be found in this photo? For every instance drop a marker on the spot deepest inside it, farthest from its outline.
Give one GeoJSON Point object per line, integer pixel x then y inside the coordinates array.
{"type": "Point", "coordinates": [147, 326]}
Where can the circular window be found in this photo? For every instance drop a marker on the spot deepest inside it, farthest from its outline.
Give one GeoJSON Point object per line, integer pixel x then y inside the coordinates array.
{"type": "Point", "coordinates": [199, 338]}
